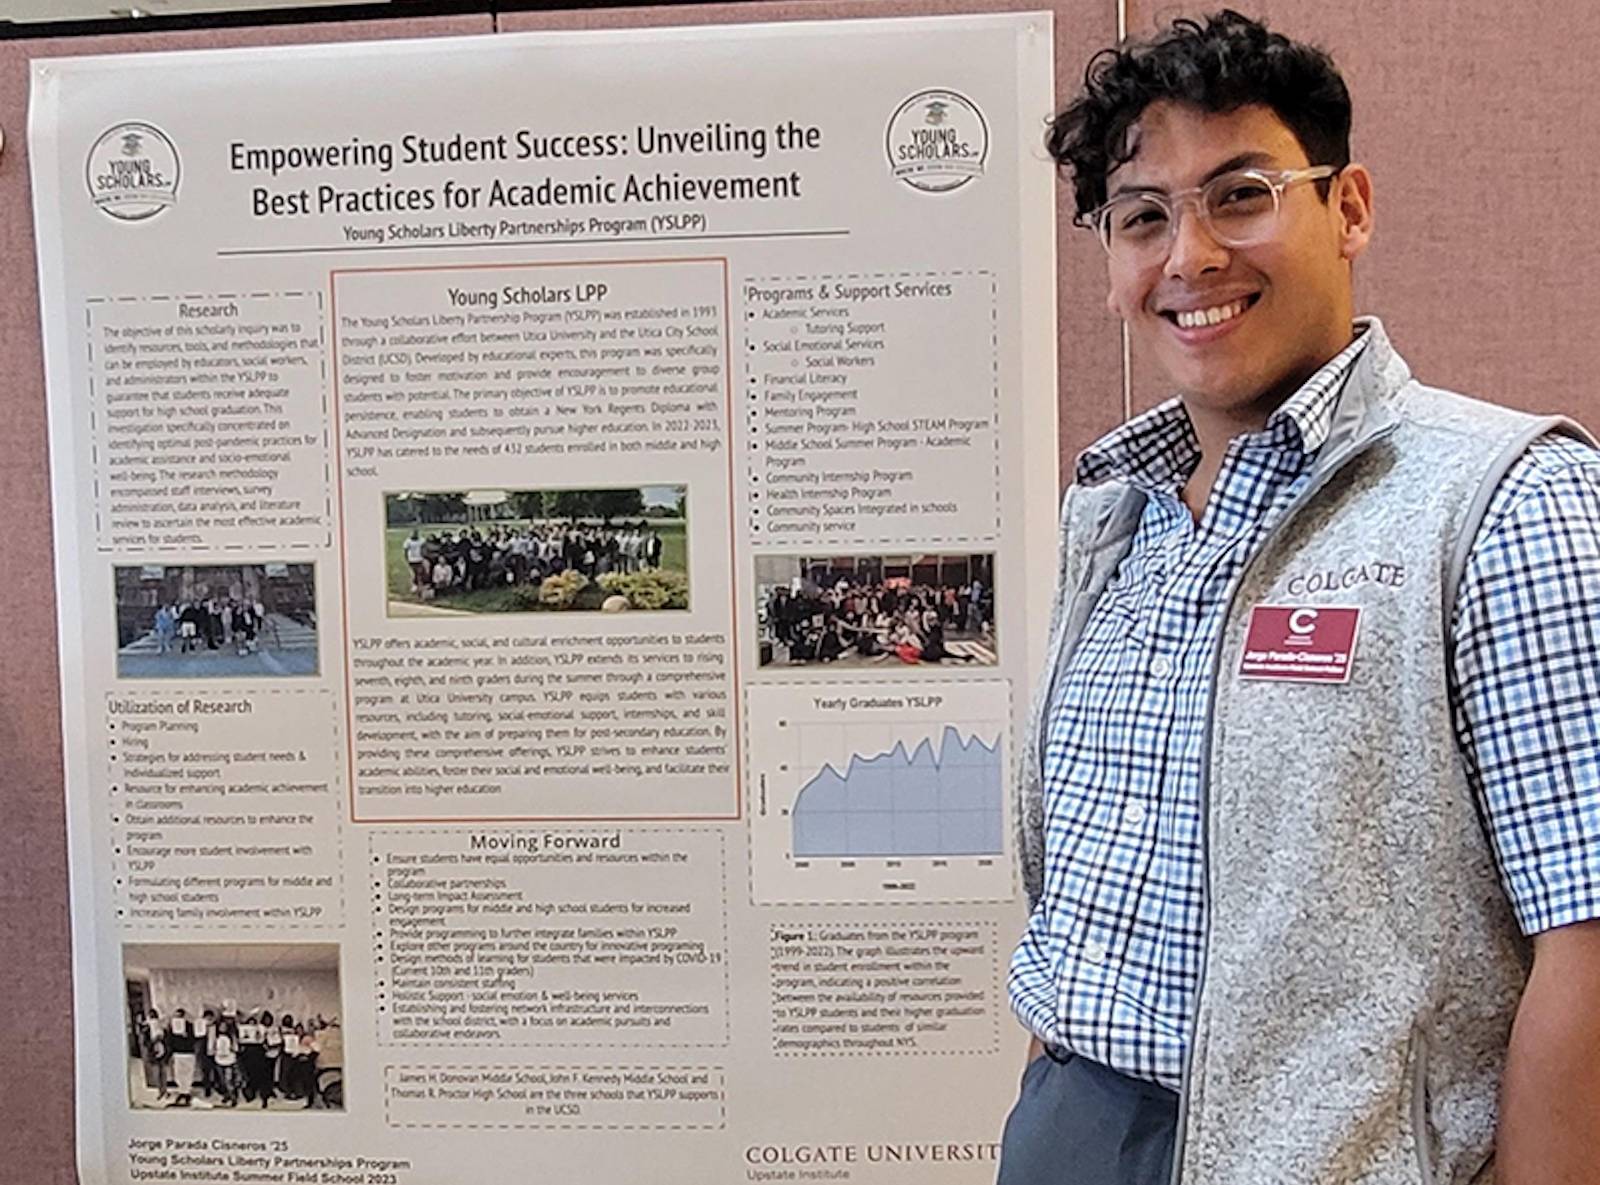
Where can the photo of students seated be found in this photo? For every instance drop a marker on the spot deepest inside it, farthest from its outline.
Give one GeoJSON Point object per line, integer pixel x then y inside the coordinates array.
{"type": "Point", "coordinates": [245, 1027]}
{"type": "Point", "coordinates": [876, 611]}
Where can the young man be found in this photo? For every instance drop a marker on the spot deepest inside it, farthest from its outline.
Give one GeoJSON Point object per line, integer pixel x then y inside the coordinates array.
{"type": "Point", "coordinates": [1311, 806]}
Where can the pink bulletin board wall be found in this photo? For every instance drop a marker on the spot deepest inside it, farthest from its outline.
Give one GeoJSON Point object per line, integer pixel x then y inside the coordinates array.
{"type": "Point", "coordinates": [1477, 120]}
{"type": "Point", "coordinates": [1480, 123]}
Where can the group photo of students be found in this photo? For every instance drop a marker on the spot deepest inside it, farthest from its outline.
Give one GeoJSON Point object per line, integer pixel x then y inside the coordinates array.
{"type": "Point", "coordinates": [497, 551]}
{"type": "Point", "coordinates": [207, 620]}
{"type": "Point", "coordinates": [876, 611]}
{"type": "Point", "coordinates": [238, 1028]}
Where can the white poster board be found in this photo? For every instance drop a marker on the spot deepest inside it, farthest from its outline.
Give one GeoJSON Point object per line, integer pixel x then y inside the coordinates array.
{"type": "Point", "coordinates": [553, 535]}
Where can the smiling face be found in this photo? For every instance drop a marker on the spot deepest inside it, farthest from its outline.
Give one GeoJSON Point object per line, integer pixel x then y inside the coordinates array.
{"type": "Point", "coordinates": [1285, 304]}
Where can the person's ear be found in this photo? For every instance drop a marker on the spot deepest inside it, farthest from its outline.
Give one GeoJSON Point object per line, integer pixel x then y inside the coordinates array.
{"type": "Point", "coordinates": [1352, 201]}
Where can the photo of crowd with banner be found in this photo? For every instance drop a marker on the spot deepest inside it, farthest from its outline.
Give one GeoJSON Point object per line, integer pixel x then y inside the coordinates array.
{"type": "Point", "coordinates": [529, 551]}
{"type": "Point", "coordinates": [235, 1026]}
{"type": "Point", "coordinates": [206, 620]}
{"type": "Point", "coordinates": [875, 610]}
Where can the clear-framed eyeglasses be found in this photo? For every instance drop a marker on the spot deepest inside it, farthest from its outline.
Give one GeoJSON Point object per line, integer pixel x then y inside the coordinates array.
{"type": "Point", "coordinates": [1239, 209]}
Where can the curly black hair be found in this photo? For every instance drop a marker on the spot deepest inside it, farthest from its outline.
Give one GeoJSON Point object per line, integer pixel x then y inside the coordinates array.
{"type": "Point", "coordinates": [1218, 64]}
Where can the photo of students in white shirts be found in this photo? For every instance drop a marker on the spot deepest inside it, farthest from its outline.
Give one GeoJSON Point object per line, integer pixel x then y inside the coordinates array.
{"type": "Point", "coordinates": [210, 1028]}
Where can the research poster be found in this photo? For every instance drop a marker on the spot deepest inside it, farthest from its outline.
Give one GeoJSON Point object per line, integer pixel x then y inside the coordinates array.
{"type": "Point", "coordinates": [553, 537]}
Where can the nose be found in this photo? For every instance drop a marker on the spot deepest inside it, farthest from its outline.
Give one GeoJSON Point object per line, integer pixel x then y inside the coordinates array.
{"type": "Point", "coordinates": [1193, 251]}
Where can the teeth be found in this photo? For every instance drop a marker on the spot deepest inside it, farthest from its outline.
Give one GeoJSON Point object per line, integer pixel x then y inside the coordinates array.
{"type": "Point", "coordinates": [1212, 316]}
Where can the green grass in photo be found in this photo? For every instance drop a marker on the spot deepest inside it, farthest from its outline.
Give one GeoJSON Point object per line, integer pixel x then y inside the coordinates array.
{"type": "Point", "coordinates": [509, 599]}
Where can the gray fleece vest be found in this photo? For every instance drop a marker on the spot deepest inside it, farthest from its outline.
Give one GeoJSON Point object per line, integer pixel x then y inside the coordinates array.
{"type": "Point", "coordinates": [1362, 966]}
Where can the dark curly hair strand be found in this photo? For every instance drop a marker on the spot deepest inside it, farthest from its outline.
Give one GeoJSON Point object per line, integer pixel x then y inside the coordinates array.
{"type": "Point", "coordinates": [1218, 64]}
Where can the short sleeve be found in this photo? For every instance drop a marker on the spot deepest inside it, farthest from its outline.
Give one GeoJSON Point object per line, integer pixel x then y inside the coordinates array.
{"type": "Point", "coordinates": [1526, 667]}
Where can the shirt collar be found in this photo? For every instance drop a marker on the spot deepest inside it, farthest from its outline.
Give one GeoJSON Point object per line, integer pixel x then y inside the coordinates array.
{"type": "Point", "coordinates": [1158, 449]}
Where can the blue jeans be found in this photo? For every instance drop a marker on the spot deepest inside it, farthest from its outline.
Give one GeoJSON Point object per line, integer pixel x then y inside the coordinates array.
{"type": "Point", "coordinates": [1076, 1122]}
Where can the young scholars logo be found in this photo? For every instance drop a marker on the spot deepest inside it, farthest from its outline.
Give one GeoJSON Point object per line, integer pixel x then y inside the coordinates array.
{"type": "Point", "coordinates": [133, 171]}
{"type": "Point", "coordinates": [937, 141]}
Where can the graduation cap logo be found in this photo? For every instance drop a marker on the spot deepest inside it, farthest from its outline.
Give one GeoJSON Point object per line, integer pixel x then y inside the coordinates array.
{"type": "Point", "coordinates": [937, 141]}
{"type": "Point", "coordinates": [132, 172]}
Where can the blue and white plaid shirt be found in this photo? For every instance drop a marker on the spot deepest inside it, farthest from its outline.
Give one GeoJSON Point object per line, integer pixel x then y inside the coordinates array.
{"type": "Point", "coordinates": [1122, 759]}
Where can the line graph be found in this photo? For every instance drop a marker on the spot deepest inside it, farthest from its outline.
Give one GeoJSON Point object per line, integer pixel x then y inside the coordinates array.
{"type": "Point", "coordinates": [926, 802]}
{"type": "Point", "coordinates": [879, 792]}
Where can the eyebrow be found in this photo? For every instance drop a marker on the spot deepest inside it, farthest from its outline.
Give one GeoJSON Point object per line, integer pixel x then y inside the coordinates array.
{"type": "Point", "coordinates": [1243, 160]}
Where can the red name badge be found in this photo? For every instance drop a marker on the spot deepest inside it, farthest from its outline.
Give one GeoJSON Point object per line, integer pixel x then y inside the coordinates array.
{"type": "Point", "coordinates": [1308, 644]}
